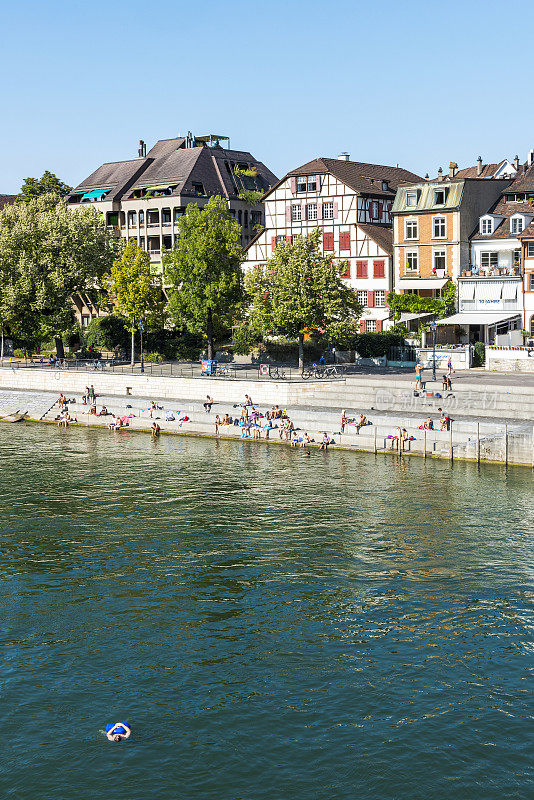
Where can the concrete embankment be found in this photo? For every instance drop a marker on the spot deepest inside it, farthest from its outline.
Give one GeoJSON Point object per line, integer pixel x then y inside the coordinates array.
{"type": "Point", "coordinates": [471, 437]}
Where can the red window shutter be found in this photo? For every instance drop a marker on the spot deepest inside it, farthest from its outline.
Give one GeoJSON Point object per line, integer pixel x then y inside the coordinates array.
{"type": "Point", "coordinates": [386, 300]}
{"type": "Point", "coordinates": [344, 240]}
{"type": "Point", "coordinates": [273, 242]}
{"type": "Point", "coordinates": [294, 185]}
{"type": "Point", "coordinates": [288, 239]}
{"type": "Point", "coordinates": [318, 182]}
{"type": "Point", "coordinates": [346, 271]}
{"type": "Point", "coordinates": [328, 241]}
{"type": "Point", "coordinates": [361, 269]}
{"type": "Point", "coordinates": [288, 215]}
{"type": "Point", "coordinates": [379, 269]}
{"type": "Point", "coordinates": [335, 210]}
{"type": "Point", "coordinates": [370, 299]}
{"type": "Point", "coordinates": [303, 211]}
{"type": "Point", "coordinates": [362, 326]}
{"type": "Point", "coordinates": [319, 210]}
{"type": "Point", "coordinates": [379, 325]}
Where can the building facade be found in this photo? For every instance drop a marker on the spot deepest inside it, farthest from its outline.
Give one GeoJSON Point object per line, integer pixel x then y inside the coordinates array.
{"type": "Point", "coordinates": [143, 198]}
{"type": "Point", "coordinates": [351, 202]}
{"type": "Point", "coordinates": [433, 221]}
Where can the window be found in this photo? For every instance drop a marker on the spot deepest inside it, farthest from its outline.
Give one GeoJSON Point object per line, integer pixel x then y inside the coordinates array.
{"type": "Point", "coordinates": [255, 218]}
{"type": "Point", "coordinates": [280, 239]}
{"type": "Point", "coordinates": [141, 218]}
{"type": "Point", "coordinates": [439, 259]}
{"type": "Point", "coordinates": [179, 212]}
{"type": "Point", "coordinates": [361, 269]}
{"type": "Point", "coordinates": [344, 240]}
{"type": "Point", "coordinates": [440, 195]}
{"type": "Point", "coordinates": [374, 209]}
{"type": "Point", "coordinates": [302, 183]}
{"type": "Point", "coordinates": [379, 269]}
{"type": "Point", "coordinates": [517, 258]}
{"type": "Point", "coordinates": [486, 226]}
{"type": "Point", "coordinates": [152, 218]}
{"type": "Point", "coordinates": [412, 261]}
{"type": "Point", "coordinates": [142, 244]}
{"type": "Point", "coordinates": [370, 325]}
{"type": "Point", "coordinates": [531, 284]}
{"type": "Point", "coordinates": [132, 219]}
{"type": "Point", "coordinates": [380, 298]}
{"type": "Point", "coordinates": [311, 211]}
{"type": "Point", "coordinates": [245, 223]}
{"type": "Point", "coordinates": [412, 229]}
{"type": "Point", "coordinates": [411, 199]}
{"type": "Point", "coordinates": [517, 224]}
{"type": "Point", "coordinates": [198, 189]}
{"type": "Point", "coordinates": [328, 241]}
{"type": "Point", "coordinates": [488, 259]}
{"type": "Point", "coordinates": [166, 216]}
{"type": "Point", "coordinates": [328, 210]}
{"type": "Point", "coordinates": [85, 321]}
{"type": "Point", "coordinates": [439, 227]}
{"type": "Point", "coordinates": [362, 298]}
{"type": "Point", "coordinates": [385, 186]}
{"type": "Point", "coordinates": [296, 213]}
{"type": "Point", "coordinates": [312, 183]}
{"type": "Point", "coordinates": [530, 250]}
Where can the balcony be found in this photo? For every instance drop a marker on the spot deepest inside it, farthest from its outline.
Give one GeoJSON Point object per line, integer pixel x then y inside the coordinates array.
{"type": "Point", "coordinates": [152, 224]}
{"type": "Point", "coordinates": [154, 252]}
{"type": "Point", "coordinates": [491, 272]}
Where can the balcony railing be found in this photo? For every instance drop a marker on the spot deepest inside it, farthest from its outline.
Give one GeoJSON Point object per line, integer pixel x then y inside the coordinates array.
{"type": "Point", "coordinates": [491, 272]}
{"type": "Point", "coordinates": [152, 225]}
{"type": "Point", "coordinates": [155, 252]}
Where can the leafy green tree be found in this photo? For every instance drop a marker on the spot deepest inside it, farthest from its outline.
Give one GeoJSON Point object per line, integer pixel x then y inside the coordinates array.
{"type": "Point", "coordinates": [136, 291]}
{"type": "Point", "coordinates": [300, 290]}
{"type": "Point", "coordinates": [204, 270]}
{"type": "Point", "coordinates": [413, 304]}
{"type": "Point", "coordinates": [47, 255]}
{"type": "Point", "coordinates": [47, 184]}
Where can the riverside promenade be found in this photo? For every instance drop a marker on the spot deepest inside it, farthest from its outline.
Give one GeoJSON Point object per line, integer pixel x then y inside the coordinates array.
{"type": "Point", "coordinates": [493, 414]}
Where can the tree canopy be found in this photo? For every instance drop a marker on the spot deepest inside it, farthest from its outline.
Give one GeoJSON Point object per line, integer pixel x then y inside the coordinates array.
{"type": "Point", "coordinates": [300, 291]}
{"type": "Point", "coordinates": [47, 184]}
{"type": "Point", "coordinates": [47, 255]}
{"type": "Point", "coordinates": [135, 290]}
{"type": "Point", "coordinates": [204, 270]}
{"type": "Point", "coordinates": [414, 304]}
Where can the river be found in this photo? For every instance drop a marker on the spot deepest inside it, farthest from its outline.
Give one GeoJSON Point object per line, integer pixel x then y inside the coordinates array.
{"type": "Point", "coordinates": [273, 626]}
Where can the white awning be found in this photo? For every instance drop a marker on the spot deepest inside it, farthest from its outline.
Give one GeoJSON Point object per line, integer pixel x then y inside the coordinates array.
{"type": "Point", "coordinates": [474, 318]}
{"type": "Point", "coordinates": [509, 290]}
{"type": "Point", "coordinates": [489, 290]}
{"type": "Point", "coordinates": [410, 317]}
{"type": "Point", "coordinates": [467, 290]}
{"type": "Point", "coordinates": [422, 283]}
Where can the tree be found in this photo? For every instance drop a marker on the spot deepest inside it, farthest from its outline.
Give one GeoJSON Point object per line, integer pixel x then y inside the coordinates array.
{"type": "Point", "coordinates": [300, 290]}
{"type": "Point", "coordinates": [204, 270]}
{"type": "Point", "coordinates": [414, 304]}
{"type": "Point", "coordinates": [47, 255]}
{"type": "Point", "coordinates": [135, 290]}
{"type": "Point", "coordinates": [48, 184]}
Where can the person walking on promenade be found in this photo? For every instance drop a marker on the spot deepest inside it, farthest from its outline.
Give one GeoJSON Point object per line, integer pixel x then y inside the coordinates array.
{"type": "Point", "coordinates": [418, 375]}
{"type": "Point", "coordinates": [343, 421]}
{"type": "Point", "coordinates": [92, 394]}
{"type": "Point", "coordinates": [217, 423]}
{"type": "Point", "coordinates": [208, 404]}
{"type": "Point", "coordinates": [449, 367]}
{"type": "Point", "coordinates": [444, 382]}
{"type": "Point", "coordinates": [449, 383]}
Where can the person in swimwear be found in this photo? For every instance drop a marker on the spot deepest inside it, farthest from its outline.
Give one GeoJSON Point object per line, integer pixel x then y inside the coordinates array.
{"type": "Point", "coordinates": [118, 731]}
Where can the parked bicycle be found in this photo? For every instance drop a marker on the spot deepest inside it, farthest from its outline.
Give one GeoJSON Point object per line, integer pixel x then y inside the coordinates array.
{"type": "Point", "coordinates": [321, 372]}
{"type": "Point", "coordinates": [277, 374]}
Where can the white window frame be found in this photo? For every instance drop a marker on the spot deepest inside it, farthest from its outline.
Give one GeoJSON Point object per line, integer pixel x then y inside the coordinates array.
{"type": "Point", "coordinates": [312, 183]}
{"type": "Point", "coordinates": [435, 203]}
{"type": "Point", "coordinates": [380, 298]}
{"type": "Point", "coordinates": [530, 249]}
{"type": "Point", "coordinates": [328, 209]}
{"type": "Point", "coordinates": [296, 212]}
{"type": "Point", "coordinates": [362, 297]}
{"type": "Point", "coordinates": [486, 226]}
{"type": "Point", "coordinates": [311, 211]}
{"type": "Point", "coordinates": [370, 325]}
{"type": "Point", "coordinates": [441, 253]}
{"type": "Point", "coordinates": [411, 255]}
{"type": "Point", "coordinates": [517, 225]}
{"type": "Point", "coordinates": [492, 256]}
{"type": "Point", "coordinates": [411, 199]}
{"type": "Point", "coordinates": [411, 222]}
{"type": "Point", "coordinates": [303, 180]}
{"type": "Point", "coordinates": [442, 221]}
{"type": "Point", "coordinates": [531, 283]}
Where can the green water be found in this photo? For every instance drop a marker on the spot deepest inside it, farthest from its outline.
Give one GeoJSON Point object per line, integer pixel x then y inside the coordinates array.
{"type": "Point", "coordinates": [272, 626]}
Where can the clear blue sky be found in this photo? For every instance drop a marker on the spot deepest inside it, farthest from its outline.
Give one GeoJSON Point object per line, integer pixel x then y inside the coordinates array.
{"type": "Point", "coordinates": [417, 82]}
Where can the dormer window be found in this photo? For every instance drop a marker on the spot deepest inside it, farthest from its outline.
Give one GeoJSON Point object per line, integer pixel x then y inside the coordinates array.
{"type": "Point", "coordinates": [411, 199]}
{"type": "Point", "coordinates": [440, 196]}
{"type": "Point", "coordinates": [385, 186]}
{"type": "Point", "coordinates": [486, 225]}
{"type": "Point", "coordinates": [516, 224]}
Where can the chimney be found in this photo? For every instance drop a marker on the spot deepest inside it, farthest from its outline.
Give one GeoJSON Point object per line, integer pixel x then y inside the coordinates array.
{"type": "Point", "coordinates": [530, 157]}
{"type": "Point", "coordinates": [516, 163]}
{"type": "Point", "coordinates": [142, 149]}
{"type": "Point", "coordinates": [427, 177]}
{"type": "Point", "coordinates": [343, 157]}
{"type": "Point", "coordinates": [440, 174]}
{"type": "Point", "coordinates": [479, 166]}
{"type": "Point", "coordinates": [453, 169]}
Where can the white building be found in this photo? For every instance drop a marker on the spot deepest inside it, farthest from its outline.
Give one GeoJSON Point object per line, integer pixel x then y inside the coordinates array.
{"type": "Point", "coordinates": [351, 203]}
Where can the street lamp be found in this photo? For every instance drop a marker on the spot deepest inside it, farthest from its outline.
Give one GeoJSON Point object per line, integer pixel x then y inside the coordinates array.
{"type": "Point", "coordinates": [141, 334]}
{"type": "Point", "coordinates": [433, 328]}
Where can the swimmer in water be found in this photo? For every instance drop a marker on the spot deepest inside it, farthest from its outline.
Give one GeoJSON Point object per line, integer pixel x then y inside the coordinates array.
{"type": "Point", "coordinates": [118, 731]}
